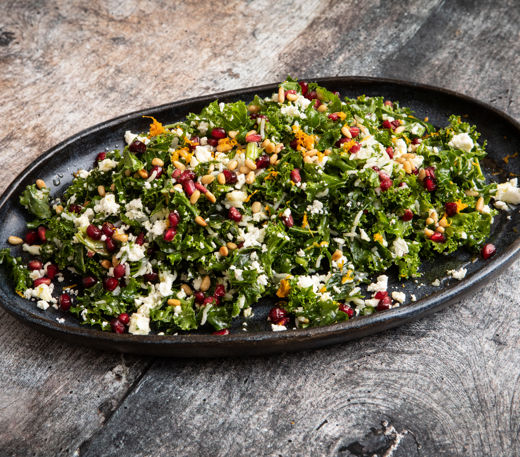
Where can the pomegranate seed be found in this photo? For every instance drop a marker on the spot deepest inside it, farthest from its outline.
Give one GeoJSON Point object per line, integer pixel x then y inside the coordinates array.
{"type": "Point", "coordinates": [294, 144]}
{"type": "Point", "coordinates": [311, 95]}
{"type": "Point", "coordinates": [90, 254]}
{"type": "Point", "coordinates": [42, 233]}
{"type": "Point", "coordinates": [429, 184]}
{"type": "Point", "coordinates": [94, 232]}
{"type": "Point", "coordinates": [200, 187]}
{"type": "Point", "coordinates": [224, 331]}
{"type": "Point", "coordinates": [65, 302]}
{"type": "Point", "coordinates": [151, 277]}
{"type": "Point", "coordinates": [158, 171]}
{"type": "Point", "coordinates": [355, 148]}
{"type": "Point", "coordinates": [386, 184]}
{"type": "Point", "coordinates": [346, 309]}
{"type": "Point", "coordinates": [108, 229]}
{"type": "Point", "coordinates": [213, 142]}
{"type": "Point", "coordinates": [304, 87]}
{"type": "Point", "coordinates": [199, 297]}
{"type": "Point", "coordinates": [396, 123]}
{"type": "Point", "coordinates": [290, 91]}
{"type": "Point", "coordinates": [140, 239]}
{"type": "Point", "coordinates": [234, 214]}
{"type": "Point", "coordinates": [451, 208]}
{"type": "Point", "coordinates": [124, 318]}
{"type": "Point", "coordinates": [137, 147]}
{"type": "Point", "coordinates": [488, 250]}
{"type": "Point", "coordinates": [354, 131]}
{"type": "Point", "coordinates": [210, 301]}
{"type": "Point", "coordinates": [278, 316]}
{"type": "Point", "coordinates": [101, 156]}
{"type": "Point", "coordinates": [218, 133]}
{"type": "Point", "coordinates": [262, 161]}
{"type": "Point", "coordinates": [176, 173]}
{"type": "Point", "coordinates": [52, 271]}
{"type": "Point", "coordinates": [407, 215]}
{"type": "Point", "coordinates": [43, 280]}
{"type": "Point", "coordinates": [296, 176]}
{"type": "Point", "coordinates": [333, 116]}
{"type": "Point", "coordinates": [375, 168]}
{"type": "Point", "coordinates": [117, 326]}
{"type": "Point", "coordinates": [381, 294]}
{"type": "Point", "coordinates": [31, 237]}
{"type": "Point", "coordinates": [187, 175]}
{"type": "Point", "coordinates": [110, 245]}
{"type": "Point", "coordinates": [430, 171]}
{"type": "Point", "coordinates": [288, 221]}
{"type": "Point", "coordinates": [387, 125]}
{"type": "Point", "coordinates": [195, 141]}
{"type": "Point", "coordinates": [119, 270]}
{"type": "Point", "coordinates": [438, 238]}
{"type": "Point", "coordinates": [75, 208]}
{"type": "Point", "coordinates": [189, 187]}
{"type": "Point", "coordinates": [110, 284]}
{"type": "Point", "coordinates": [317, 104]}
{"type": "Point", "coordinates": [174, 219]}
{"type": "Point", "coordinates": [169, 234]}
{"type": "Point", "coordinates": [34, 265]}
{"type": "Point", "coordinates": [416, 141]}
{"type": "Point", "coordinates": [384, 303]}
{"type": "Point", "coordinates": [253, 138]}
{"type": "Point", "coordinates": [88, 281]}
{"type": "Point", "coordinates": [390, 152]}
{"type": "Point", "coordinates": [231, 176]}
{"type": "Point", "coordinates": [220, 291]}
{"type": "Point", "coordinates": [388, 103]}
{"type": "Point", "coordinates": [341, 141]}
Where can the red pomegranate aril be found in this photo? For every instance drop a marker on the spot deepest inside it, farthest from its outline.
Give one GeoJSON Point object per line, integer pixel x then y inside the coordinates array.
{"type": "Point", "coordinates": [90, 254]}
{"type": "Point", "coordinates": [407, 215]}
{"type": "Point", "coordinates": [396, 123]}
{"type": "Point", "coordinates": [341, 141]}
{"type": "Point", "coordinates": [210, 301]}
{"type": "Point", "coordinates": [157, 170]}
{"type": "Point", "coordinates": [288, 220]}
{"type": "Point", "coordinates": [151, 277]}
{"type": "Point", "coordinates": [187, 175]}
{"type": "Point", "coordinates": [169, 234]}
{"type": "Point", "coordinates": [346, 309]}
{"type": "Point", "coordinates": [108, 229]}
{"type": "Point", "coordinates": [451, 208]}
{"type": "Point", "coordinates": [218, 133]}
{"type": "Point", "coordinates": [200, 187]}
{"type": "Point", "coordinates": [199, 297]}
{"type": "Point", "coordinates": [304, 87]}
{"type": "Point", "coordinates": [137, 146]}
{"type": "Point", "coordinates": [296, 177]}
{"type": "Point", "coordinates": [117, 326]}
{"type": "Point", "coordinates": [101, 156]}
{"type": "Point", "coordinates": [354, 131]}
{"type": "Point", "coordinates": [384, 303]}
{"type": "Point", "coordinates": [220, 291]}
{"type": "Point", "coordinates": [119, 270]}
{"type": "Point", "coordinates": [290, 91]}
{"type": "Point", "coordinates": [34, 265]}
{"type": "Point", "coordinates": [110, 284]}
{"type": "Point", "coordinates": [381, 294]}
{"type": "Point", "coordinates": [416, 141]}
{"type": "Point", "coordinates": [355, 148]}
{"type": "Point", "coordinates": [73, 208]}
{"type": "Point", "coordinates": [139, 240]}
{"type": "Point", "coordinates": [277, 315]}
{"type": "Point", "coordinates": [40, 281]}
{"type": "Point", "coordinates": [253, 138]}
{"type": "Point", "coordinates": [224, 331]}
{"type": "Point", "coordinates": [311, 95]}
{"type": "Point", "coordinates": [176, 173]}
{"type": "Point", "coordinates": [234, 214]}
{"type": "Point", "coordinates": [388, 103]}
{"type": "Point", "coordinates": [317, 104]}
{"type": "Point", "coordinates": [429, 184]}
{"type": "Point", "coordinates": [174, 219]}
{"type": "Point", "coordinates": [94, 232]}
{"type": "Point", "coordinates": [88, 281]}
{"type": "Point", "coordinates": [195, 141]}
{"type": "Point", "coordinates": [213, 142]}
{"type": "Point", "coordinates": [387, 125]}
{"type": "Point", "coordinates": [231, 176]}
{"type": "Point", "coordinates": [189, 187]}
{"type": "Point", "coordinates": [52, 270]}
{"type": "Point", "coordinates": [124, 318]}
{"type": "Point", "coordinates": [110, 245]}
{"type": "Point", "coordinates": [333, 116]}
{"type": "Point", "coordinates": [488, 250]}
{"type": "Point", "coordinates": [430, 171]}
{"type": "Point", "coordinates": [42, 233]}
{"type": "Point", "coordinates": [65, 302]}
{"type": "Point", "coordinates": [390, 151]}
{"type": "Point", "coordinates": [294, 144]}
{"type": "Point", "coordinates": [438, 237]}
{"type": "Point", "coordinates": [262, 161]}
{"type": "Point", "coordinates": [31, 237]}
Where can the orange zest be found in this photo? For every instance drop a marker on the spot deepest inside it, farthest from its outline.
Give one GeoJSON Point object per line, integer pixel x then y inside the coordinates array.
{"type": "Point", "coordinates": [284, 288]}
{"type": "Point", "coordinates": [156, 128]}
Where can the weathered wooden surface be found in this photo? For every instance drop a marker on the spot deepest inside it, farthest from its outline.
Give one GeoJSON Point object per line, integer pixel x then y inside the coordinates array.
{"type": "Point", "coordinates": [447, 385]}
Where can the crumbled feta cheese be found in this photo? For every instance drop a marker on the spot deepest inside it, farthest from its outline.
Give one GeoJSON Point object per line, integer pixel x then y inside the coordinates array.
{"type": "Point", "coordinates": [316, 207]}
{"type": "Point", "coordinates": [203, 153]}
{"type": "Point", "coordinates": [42, 304]}
{"type": "Point", "coordinates": [139, 324]}
{"type": "Point", "coordinates": [400, 247]}
{"type": "Point", "coordinates": [399, 296]}
{"type": "Point", "coordinates": [107, 205]}
{"type": "Point", "coordinates": [33, 250]}
{"type": "Point", "coordinates": [380, 286]}
{"type": "Point", "coordinates": [235, 198]}
{"type": "Point", "coordinates": [508, 192]}
{"type": "Point", "coordinates": [278, 328]}
{"type": "Point", "coordinates": [107, 164]}
{"type": "Point", "coordinates": [462, 141]}
{"type": "Point", "coordinates": [130, 137]}
{"type": "Point", "coordinates": [436, 283]}
{"type": "Point", "coordinates": [459, 274]}
{"type": "Point", "coordinates": [132, 252]}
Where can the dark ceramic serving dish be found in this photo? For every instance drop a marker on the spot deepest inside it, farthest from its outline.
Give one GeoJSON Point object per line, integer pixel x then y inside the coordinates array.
{"type": "Point", "coordinates": [501, 132]}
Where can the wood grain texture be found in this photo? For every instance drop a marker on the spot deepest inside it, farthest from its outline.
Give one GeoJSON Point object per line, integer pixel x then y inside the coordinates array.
{"type": "Point", "coordinates": [447, 385]}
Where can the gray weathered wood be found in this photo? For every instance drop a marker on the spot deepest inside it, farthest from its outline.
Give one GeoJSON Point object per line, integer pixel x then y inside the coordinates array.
{"type": "Point", "coordinates": [447, 385]}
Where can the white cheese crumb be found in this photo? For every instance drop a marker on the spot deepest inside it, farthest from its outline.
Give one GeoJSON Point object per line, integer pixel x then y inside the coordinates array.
{"type": "Point", "coordinates": [399, 296]}
{"type": "Point", "coordinates": [462, 141]}
{"type": "Point", "coordinates": [459, 274]}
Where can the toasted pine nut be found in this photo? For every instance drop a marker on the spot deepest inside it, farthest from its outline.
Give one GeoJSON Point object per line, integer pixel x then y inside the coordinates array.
{"type": "Point", "coordinates": [409, 156]}
{"type": "Point", "coordinates": [269, 147]}
{"type": "Point", "coordinates": [209, 195]}
{"type": "Point", "coordinates": [40, 183]}
{"type": "Point", "coordinates": [480, 204]}
{"type": "Point", "coordinates": [337, 254]}
{"type": "Point", "coordinates": [273, 159]}
{"type": "Point", "coordinates": [471, 193]}
{"type": "Point", "coordinates": [428, 232]}
{"type": "Point", "coordinates": [312, 152]}
{"type": "Point", "coordinates": [307, 159]}
{"type": "Point", "coordinates": [253, 109]}
{"type": "Point", "coordinates": [195, 196]}
{"type": "Point", "coordinates": [233, 133]}
{"type": "Point", "coordinates": [187, 289]}
{"type": "Point", "coordinates": [327, 152]}
{"type": "Point", "coordinates": [250, 164]}
{"type": "Point", "coordinates": [434, 215]}
{"type": "Point", "coordinates": [256, 207]}
{"type": "Point", "coordinates": [407, 167]}
{"type": "Point", "coordinates": [179, 165]}
{"type": "Point", "coordinates": [243, 169]}
{"type": "Point", "coordinates": [157, 162]}
{"type": "Point", "coordinates": [207, 179]}
{"type": "Point", "coordinates": [232, 164]}
{"type": "Point", "coordinates": [251, 132]}
{"type": "Point", "coordinates": [231, 246]}
{"type": "Point", "coordinates": [205, 284]}
{"type": "Point", "coordinates": [101, 191]}
{"type": "Point", "coordinates": [123, 237]}
{"type": "Point", "coordinates": [59, 209]}
{"type": "Point", "coordinates": [14, 240]}
{"type": "Point", "coordinates": [281, 95]}
{"type": "Point", "coordinates": [322, 108]}
{"type": "Point", "coordinates": [400, 129]}
{"type": "Point", "coordinates": [115, 261]}
{"type": "Point", "coordinates": [345, 131]}
{"type": "Point", "coordinates": [127, 173]}
{"type": "Point", "coordinates": [224, 251]}
{"type": "Point", "coordinates": [292, 97]}
{"type": "Point", "coordinates": [106, 264]}
{"type": "Point", "coordinates": [178, 187]}
{"type": "Point", "coordinates": [221, 178]}
{"type": "Point", "coordinates": [429, 221]}
{"type": "Point", "coordinates": [174, 302]}
{"type": "Point", "coordinates": [278, 148]}
{"type": "Point", "coordinates": [439, 229]}
{"type": "Point", "coordinates": [143, 174]}
{"type": "Point", "coordinates": [199, 220]}
{"type": "Point", "coordinates": [422, 174]}
{"type": "Point", "coordinates": [400, 160]}
{"type": "Point", "coordinates": [224, 147]}
{"type": "Point", "coordinates": [250, 178]}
